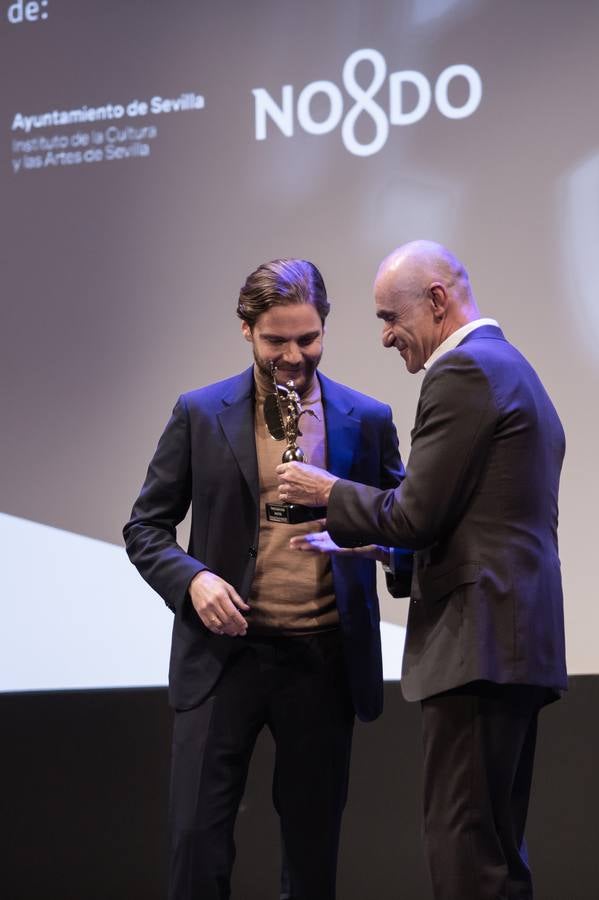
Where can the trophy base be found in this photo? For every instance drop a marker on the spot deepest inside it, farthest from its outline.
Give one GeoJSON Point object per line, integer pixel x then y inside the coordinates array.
{"type": "Point", "coordinates": [293, 513]}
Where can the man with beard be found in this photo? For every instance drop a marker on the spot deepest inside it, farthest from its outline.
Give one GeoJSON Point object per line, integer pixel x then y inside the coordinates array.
{"type": "Point", "coordinates": [262, 637]}
{"type": "Point", "coordinates": [485, 635]}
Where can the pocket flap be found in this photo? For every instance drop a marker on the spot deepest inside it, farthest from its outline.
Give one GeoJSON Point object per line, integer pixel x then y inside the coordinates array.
{"type": "Point", "coordinates": [435, 585]}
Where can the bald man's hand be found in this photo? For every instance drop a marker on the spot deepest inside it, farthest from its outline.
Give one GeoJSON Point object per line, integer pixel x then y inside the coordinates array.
{"type": "Point", "coordinates": [307, 485]}
{"type": "Point", "coordinates": [321, 542]}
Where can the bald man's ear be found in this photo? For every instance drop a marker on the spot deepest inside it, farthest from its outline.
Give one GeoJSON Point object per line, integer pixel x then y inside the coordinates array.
{"type": "Point", "coordinates": [439, 300]}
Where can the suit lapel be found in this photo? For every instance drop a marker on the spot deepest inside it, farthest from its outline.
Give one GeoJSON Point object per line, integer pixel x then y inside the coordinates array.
{"type": "Point", "coordinates": [237, 422]}
{"type": "Point", "coordinates": [342, 429]}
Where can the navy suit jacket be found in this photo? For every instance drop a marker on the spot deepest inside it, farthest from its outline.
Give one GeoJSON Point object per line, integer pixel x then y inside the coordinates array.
{"type": "Point", "coordinates": [480, 505]}
{"type": "Point", "coordinates": [207, 457]}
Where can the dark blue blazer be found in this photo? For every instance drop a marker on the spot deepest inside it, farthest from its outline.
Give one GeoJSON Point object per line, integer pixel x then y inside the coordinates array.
{"type": "Point", "coordinates": [206, 457]}
{"type": "Point", "coordinates": [479, 504]}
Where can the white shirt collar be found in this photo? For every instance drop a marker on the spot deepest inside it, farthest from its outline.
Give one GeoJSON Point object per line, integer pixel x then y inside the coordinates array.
{"type": "Point", "coordinates": [455, 338]}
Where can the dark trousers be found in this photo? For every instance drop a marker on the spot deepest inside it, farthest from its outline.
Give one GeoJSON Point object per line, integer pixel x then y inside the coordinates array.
{"type": "Point", "coordinates": [479, 744]}
{"type": "Point", "coordinates": [297, 687]}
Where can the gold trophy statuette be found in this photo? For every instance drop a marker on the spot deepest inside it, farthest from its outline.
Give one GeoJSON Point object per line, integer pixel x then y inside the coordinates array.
{"type": "Point", "coordinates": [282, 413]}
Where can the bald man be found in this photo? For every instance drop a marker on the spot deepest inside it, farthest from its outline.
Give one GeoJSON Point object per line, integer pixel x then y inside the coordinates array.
{"type": "Point", "coordinates": [479, 503]}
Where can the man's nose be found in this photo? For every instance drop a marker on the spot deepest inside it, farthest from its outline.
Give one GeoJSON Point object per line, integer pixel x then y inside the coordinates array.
{"type": "Point", "coordinates": [387, 337]}
{"type": "Point", "coordinates": [292, 355]}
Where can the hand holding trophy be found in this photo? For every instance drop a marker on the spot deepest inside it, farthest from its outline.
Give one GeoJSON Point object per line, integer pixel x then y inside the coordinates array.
{"type": "Point", "coordinates": [282, 413]}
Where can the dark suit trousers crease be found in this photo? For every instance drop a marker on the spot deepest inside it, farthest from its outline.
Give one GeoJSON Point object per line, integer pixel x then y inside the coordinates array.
{"type": "Point", "coordinates": [479, 743]}
{"type": "Point", "coordinates": [297, 687]}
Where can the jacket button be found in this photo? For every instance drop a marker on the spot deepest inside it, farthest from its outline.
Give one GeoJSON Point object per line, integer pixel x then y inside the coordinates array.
{"type": "Point", "coordinates": [253, 552]}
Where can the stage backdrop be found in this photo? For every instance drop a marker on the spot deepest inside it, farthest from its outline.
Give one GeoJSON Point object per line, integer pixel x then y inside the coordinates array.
{"type": "Point", "coordinates": [153, 153]}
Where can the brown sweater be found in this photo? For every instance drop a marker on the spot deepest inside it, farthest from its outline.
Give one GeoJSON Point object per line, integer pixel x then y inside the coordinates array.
{"type": "Point", "coordinates": [292, 592]}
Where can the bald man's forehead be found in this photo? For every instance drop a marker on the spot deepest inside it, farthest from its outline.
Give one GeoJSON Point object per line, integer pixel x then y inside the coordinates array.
{"type": "Point", "coordinates": [392, 263]}
{"type": "Point", "coordinates": [384, 290]}
{"type": "Point", "coordinates": [400, 280]}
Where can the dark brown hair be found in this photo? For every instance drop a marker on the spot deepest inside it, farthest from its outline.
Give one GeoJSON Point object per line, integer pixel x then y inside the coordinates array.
{"type": "Point", "coordinates": [282, 281]}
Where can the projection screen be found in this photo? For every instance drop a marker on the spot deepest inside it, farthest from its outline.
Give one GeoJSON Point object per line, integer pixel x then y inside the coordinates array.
{"type": "Point", "coordinates": [154, 153]}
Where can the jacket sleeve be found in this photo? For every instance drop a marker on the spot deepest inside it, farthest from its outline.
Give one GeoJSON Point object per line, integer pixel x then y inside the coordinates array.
{"type": "Point", "coordinates": [399, 580]}
{"type": "Point", "coordinates": [455, 422]}
{"type": "Point", "coordinates": [150, 533]}
{"type": "Point", "coordinates": [392, 468]}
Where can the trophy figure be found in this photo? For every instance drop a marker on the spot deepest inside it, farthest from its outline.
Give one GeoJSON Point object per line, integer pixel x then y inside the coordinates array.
{"type": "Point", "coordinates": [282, 413]}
